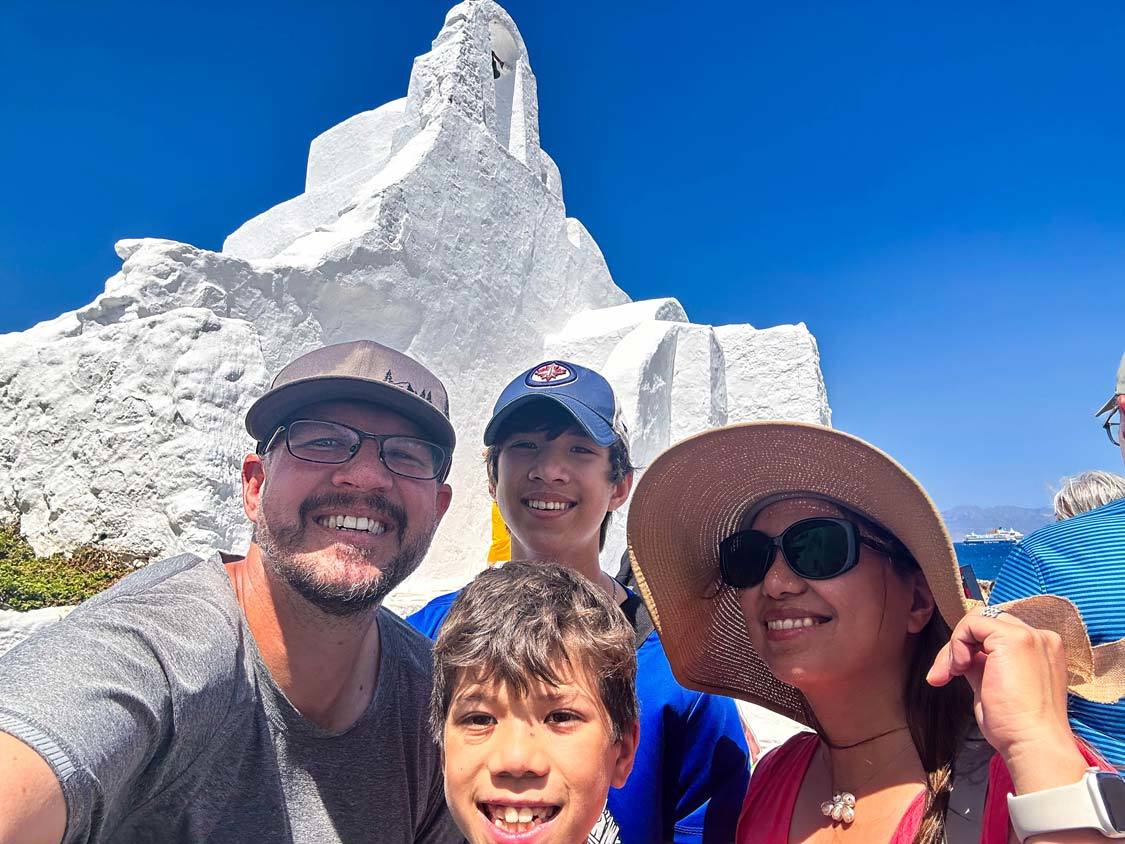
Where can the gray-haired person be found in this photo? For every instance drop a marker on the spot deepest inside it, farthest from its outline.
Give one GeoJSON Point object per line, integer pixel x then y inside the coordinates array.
{"type": "Point", "coordinates": [1087, 491]}
{"type": "Point", "coordinates": [1082, 559]}
{"type": "Point", "coordinates": [264, 698]}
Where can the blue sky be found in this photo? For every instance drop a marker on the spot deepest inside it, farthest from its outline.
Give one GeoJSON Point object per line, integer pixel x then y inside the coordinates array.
{"type": "Point", "coordinates": [935, 191]}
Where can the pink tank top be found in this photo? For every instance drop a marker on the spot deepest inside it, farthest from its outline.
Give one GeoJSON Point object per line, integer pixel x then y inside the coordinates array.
{"type": "Point", "coordinates": [767, 811]}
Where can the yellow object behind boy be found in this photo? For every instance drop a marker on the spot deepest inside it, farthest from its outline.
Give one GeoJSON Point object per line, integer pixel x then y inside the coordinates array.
{"type": "Point", "coordinates": [500, 548]}
{"type": "Point", "coordinates": [534, 705]}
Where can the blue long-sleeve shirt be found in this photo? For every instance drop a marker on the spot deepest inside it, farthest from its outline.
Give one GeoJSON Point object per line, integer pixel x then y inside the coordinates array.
{"type": "Point", "coordinates": [691, 770]}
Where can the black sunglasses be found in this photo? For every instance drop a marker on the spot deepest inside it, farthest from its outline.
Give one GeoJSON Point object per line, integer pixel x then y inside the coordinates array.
{"type": "Point", "coordinates": [816, 549]}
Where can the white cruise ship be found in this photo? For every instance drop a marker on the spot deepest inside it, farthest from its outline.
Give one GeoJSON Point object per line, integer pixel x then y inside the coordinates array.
{"type": "Point", "coordinates": [996, 535]}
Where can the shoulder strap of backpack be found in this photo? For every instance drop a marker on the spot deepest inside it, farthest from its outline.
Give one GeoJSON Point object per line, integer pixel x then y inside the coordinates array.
{"type": "Point", "coordinates": [634, 608]}
{"type": "Point", "coordinates": [637, 614]}
{"type": "Point", "coordinates": [965, 815]}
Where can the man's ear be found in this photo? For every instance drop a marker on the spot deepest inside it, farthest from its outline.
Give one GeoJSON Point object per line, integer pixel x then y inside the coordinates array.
{"type": "Point", "coordinates": [444, 497]}
{"type": "Point", "coordinates": [621, 491]}
{"type": "Point", "coordinates": [626, 754]}
{"type": "Point", "coordinates": [922, 605]}
{"type": "Point", "coordinates": [253, 481]}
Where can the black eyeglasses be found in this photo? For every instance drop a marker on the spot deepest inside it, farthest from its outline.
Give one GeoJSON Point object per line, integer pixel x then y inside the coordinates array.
{"type": "Point", "coordinates": [815, 549]}
{"type": "Point", "coordinates": [331, 442]}
{"type": "Point", "coordinates": [1112, 427]}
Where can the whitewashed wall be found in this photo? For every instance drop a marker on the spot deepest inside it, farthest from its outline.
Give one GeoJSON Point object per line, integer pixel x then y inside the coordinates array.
{"type": "Point", "coordinates": [435, 224]}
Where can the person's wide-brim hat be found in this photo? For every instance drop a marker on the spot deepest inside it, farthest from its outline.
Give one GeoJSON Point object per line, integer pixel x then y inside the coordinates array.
{"type": "Point", "coordinates": [699, 491]}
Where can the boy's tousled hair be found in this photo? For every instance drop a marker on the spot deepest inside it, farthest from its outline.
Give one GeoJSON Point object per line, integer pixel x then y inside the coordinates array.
{"type": "Point", "coordinates": [554, 420]}
{"type": "Point", "coordinates": [522, 623]}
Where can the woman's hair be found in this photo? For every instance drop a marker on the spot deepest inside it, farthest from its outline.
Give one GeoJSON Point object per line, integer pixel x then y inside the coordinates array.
{"type": "Point", "coordinates": [939, 718]}
{"type": "Point", "coordinates": [1087, 491]}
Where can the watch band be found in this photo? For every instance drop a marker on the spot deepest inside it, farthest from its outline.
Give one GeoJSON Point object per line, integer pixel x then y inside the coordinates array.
{"type": "Point", "coordinates": [1074, 806]}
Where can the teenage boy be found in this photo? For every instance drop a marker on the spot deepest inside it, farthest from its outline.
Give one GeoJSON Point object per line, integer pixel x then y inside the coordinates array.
{"type": "Point", "coordinates": [558, 466]}
{"type": "Point", "coordinates": [534, 706]}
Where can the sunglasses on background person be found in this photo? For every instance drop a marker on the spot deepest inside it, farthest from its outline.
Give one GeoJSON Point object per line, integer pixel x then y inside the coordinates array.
{"type": "Point", "coordinates": [819, 548]}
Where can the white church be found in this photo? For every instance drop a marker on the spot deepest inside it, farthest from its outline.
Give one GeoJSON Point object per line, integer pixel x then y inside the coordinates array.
{"type": "Point", "coordinates": [434, 223]}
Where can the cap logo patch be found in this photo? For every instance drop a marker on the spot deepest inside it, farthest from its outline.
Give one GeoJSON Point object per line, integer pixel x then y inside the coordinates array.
{"type": "Point", "coordinates": [428, 395]}
{"type": "Point", "coordinates": [550, 375]}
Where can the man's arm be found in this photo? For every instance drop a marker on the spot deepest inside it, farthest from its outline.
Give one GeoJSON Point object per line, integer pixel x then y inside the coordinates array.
{"type": "Point", "coordinates": [89, 704]}
{"type": "Point", "coordinates": [32, 809]}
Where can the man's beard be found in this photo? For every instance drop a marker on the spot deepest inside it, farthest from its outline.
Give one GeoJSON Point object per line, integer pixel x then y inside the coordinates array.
{"type": "Point", "coordinates": [280, 547]}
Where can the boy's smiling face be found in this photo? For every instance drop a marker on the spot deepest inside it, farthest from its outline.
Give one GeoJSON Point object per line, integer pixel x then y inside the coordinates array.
{"type": "Point", "coordinates": [532, 769]}
{"type": "Point", "coordinates": [554, 492]}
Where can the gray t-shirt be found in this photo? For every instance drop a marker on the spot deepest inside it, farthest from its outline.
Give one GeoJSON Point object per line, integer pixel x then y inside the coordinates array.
{"type": "Point", "coordinates": [162, 723]}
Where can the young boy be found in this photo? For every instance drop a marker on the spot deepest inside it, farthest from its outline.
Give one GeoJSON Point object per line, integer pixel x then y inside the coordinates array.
{"type": "Point", "coordinates": [534, 706]}
{"type": "Point", "coordinates": [558, 466]}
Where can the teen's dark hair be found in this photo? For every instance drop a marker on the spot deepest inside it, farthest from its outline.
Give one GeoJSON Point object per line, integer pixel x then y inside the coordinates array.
{"type": "Point", "coordinates": [554, 420]}
{"type": "Point", "coordinates": [525, 622]}
{"type": "Point", "coordinates": [939, 718]}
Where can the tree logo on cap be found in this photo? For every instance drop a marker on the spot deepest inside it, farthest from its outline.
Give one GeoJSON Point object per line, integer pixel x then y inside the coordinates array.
{"type": "Point", "coordinates": [428, 395]}
{"type": "Point", "coordinates": [550, 375]}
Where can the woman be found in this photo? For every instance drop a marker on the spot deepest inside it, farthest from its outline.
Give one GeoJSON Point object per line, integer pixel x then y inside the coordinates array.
{"type": "Point", "coordinates": [801, 569]}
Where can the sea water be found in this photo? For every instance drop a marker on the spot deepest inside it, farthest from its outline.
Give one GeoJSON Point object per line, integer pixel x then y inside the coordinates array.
{"type": "Point", "coordinates": [985, 557]}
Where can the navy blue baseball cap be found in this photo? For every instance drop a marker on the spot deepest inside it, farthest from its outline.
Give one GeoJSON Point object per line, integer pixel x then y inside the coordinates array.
{"type": "Point", "coordinates": [585, 394]}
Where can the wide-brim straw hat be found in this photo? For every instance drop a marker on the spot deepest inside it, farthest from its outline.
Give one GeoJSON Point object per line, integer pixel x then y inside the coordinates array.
{"type": "Point", "coordinates": [698, 492]}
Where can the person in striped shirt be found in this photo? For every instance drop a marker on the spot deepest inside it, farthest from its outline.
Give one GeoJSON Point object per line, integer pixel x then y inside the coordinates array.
{"type": "Point", "coordinates": [1086, 492]}
{"type": "Point", "coordinates": [1082, 559]}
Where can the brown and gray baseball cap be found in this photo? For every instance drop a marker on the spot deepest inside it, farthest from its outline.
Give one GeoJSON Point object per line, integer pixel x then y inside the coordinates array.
{"type": "Point", "coordinates": [1111, 403]}
{"type": "Point", "coordinates": [359, 371]}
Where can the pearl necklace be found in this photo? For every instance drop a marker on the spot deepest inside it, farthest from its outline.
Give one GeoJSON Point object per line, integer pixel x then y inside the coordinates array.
{"type": "Point", "coordinates": [841, 808]}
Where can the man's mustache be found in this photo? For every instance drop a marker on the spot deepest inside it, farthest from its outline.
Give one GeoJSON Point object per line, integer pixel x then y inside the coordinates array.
{"type": "Point", "coordinates": [343, 501]}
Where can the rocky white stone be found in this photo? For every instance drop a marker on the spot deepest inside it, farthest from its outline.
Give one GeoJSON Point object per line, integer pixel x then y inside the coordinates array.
{"type": "Point", "coordinates": [17, 626]}
{"type": "Point", "coordinates": [773, 373]}
{"type": "Point", "coordinates": [768, 728]}
{"type": "Point", "coordinates": [435, 224]}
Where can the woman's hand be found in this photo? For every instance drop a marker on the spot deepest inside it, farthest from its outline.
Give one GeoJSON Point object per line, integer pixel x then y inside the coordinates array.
{"type": "Point", "coordinates": [1018, 677]}
{"type": "Point", "coordinates": [1017, 674]}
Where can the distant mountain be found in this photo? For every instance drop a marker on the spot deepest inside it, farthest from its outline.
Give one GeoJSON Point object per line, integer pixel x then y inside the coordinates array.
{"type": "Point", "coordinates": [969, 519]}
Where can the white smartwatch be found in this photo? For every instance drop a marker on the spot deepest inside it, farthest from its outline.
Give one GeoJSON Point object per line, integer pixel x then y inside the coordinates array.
{"type": "Point", "coordinates": [1097, 801]}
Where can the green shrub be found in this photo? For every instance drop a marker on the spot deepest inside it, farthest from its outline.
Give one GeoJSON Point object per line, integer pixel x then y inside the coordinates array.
{"type": "Point", "coordinates": [28, 582]}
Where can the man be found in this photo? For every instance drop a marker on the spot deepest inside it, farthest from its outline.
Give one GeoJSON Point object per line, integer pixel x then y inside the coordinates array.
{"type": "Point", "coordinates": [558, 466]}
{"type": "Point", "coordinates": [268, 698]}
{"type": "Point", "coordinates": [1082, 559]}
{"type": "Point", "coordinates": [1087, 491]}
